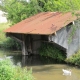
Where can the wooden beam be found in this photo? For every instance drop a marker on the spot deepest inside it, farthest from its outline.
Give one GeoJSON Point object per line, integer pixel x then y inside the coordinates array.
{"type": "Point", "coordinates": [14, 37]}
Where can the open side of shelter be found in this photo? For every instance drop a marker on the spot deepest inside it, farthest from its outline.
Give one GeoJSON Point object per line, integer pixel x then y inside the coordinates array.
{"type": "Point", "coordinates": [46, 27]}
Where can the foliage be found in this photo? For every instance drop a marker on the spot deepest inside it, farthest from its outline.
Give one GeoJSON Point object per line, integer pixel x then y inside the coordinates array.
{"type": "Point", "coordinates": [18, 10]}
{"type": "Point", "coordinates": [10, 72]}
{"type": "Point", "coordinates": [49, 50]}
{"type": "Point", "coordinates": [7, 43]}
{"type": "Point", "coordinates": [6, 70]}
{"type": "Point", "coordinates": [3, 38]}
{"type": "Point", "coordinates": [3, 26]}
{"type": "Point", "coordinates": [74, 59]}
{"type": "Point", "coordinates": [11, 44]}
{"type": "Point", "coordinates": [23, 74]}
{"type": "Point", "coordinates": [60, 5]}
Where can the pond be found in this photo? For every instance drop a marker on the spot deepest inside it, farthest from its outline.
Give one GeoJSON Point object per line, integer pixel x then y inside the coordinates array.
{"type": "Point", "coordinates": [43, 69]}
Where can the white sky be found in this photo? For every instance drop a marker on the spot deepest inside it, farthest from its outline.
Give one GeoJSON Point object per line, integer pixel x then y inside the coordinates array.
{"type": "Point", "coordinates": [3, 19]}
{"type": "Point", "coordinates": [27, 0]}
{"type": "Point", "coordinates": [0, 2]}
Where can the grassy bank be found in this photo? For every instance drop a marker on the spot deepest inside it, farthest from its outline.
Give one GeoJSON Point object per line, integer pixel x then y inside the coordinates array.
{"type": "Point", "coordinates": [8, 71]}
{"type": "Point", "coordinates": [7, 43]}
{"type": "Point", "coordinates": [3, 26]}
{"type": "Point", "coordinates": [74, 59]}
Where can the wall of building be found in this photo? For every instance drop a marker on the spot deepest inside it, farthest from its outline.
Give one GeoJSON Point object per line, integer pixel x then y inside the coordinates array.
{"type": "Point", "coordinates": [73, 39]}
{"type": "Point", "coordinates": [60, 38]}
{"type": "Point", "coordinates": [36, 43]}
{"type": "Point", "coordinates": [68, 37]}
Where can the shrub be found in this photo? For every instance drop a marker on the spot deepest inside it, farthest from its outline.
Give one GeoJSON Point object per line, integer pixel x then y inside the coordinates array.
{"type": "Point", "coordinates": [10, 72]}
{"type": "Point", "coordinates": [74, 59]}
{"type": "Point", "coordinates": [7, 43]}
{"type": "Point", "coordinates": [49, 50]}
{"type": "Point", "coordinates": [23, 74]}
{"type": "Point", "coordinates": [6, 70]}
{"type": "Point", "coordinates": [10, 44]}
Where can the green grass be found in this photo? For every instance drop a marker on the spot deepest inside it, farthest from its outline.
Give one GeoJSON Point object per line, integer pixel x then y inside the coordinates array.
{"type": "Point", "coordinates": [3, 26]}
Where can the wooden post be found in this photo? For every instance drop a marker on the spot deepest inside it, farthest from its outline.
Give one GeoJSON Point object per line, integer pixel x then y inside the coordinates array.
{"type": "Point", "coordinates": [24, 47]}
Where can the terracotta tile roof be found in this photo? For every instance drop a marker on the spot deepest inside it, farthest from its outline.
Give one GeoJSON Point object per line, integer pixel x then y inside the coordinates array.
{"type": "Point", "coordinates": [44, 23]}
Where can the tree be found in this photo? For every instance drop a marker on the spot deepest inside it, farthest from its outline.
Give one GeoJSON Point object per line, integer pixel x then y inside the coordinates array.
{"type": "Point", "coordinates": [18, 10]}
{"type": "Point", "coordinates": [61, 5]}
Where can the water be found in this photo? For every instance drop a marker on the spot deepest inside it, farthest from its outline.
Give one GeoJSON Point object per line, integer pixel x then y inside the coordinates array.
{"type": "Point", "coordinates": [43, 69]}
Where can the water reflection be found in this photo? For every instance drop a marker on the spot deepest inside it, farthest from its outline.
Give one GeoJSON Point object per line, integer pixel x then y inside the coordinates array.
{"type": "Point", "coordinates": [26, 60]}
{"type": "Point", "coordinates": [31, 60]}
{"type": "Point", "coordinates": [44, 68]}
